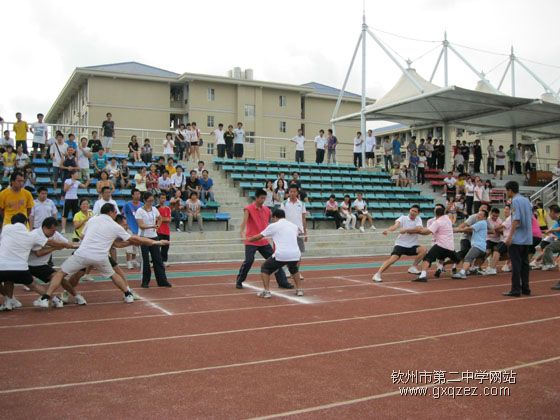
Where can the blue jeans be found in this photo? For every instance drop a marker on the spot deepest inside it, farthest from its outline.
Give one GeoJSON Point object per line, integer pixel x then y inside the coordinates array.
{"type": "Point", "coordinates": [266, 251]}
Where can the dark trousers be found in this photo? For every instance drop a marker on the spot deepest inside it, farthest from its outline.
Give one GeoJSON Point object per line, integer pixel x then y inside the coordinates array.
{"type": "Point", "coordinates": [440, 162]}
{"type": "Point", "coordinates": [299, 156]}
{"type": "Point", "coordinates": [159, 270]}
{"type": "Point", "coordinates": [388, 159]}
{"type": "Point", "coordinates": [23, 144]}
{"type": "Point", "coordinates": [221, 150]}
{"type": "Point", "coordinates": [165, 248]}
{"type": "Point", "coordinates": [266, 252]}
{"type": "Point", "coordinates": [229, 149]}
{"type": "Point", "coordinates": [358, 159]}
{"type": "Point", "coordinates": [490, 166]}
{"type": "Point", "coordinates": [519, 257]}
{"type": "Point", "coordinates": [336, 216]}
{"type": "Point", "coordinates": [469, 202]}
{"type": "Point", "coordinates": [477, 165]}
{"type": "Point", "coordinates": [518, 168]}
{"type": "Point", "coordinates": [319, 155]}
{"type": "Point", "coordinates": [421, 176]}
{"type": "Point", "coordinates": [476, 206]}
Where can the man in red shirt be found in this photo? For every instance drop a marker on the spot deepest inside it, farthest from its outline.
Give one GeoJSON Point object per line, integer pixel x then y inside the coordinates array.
{"type": "Point", "coordinates": [164, 232]}
{"type": "Point", "coordinates": [255, 219]}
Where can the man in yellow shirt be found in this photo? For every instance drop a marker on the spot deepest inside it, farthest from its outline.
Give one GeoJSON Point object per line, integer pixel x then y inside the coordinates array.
{"type": "Point", "coordinates": [21, 128]}
{"type": "Point", "coordinates": [9, 159]}
{"type": "Point", "coordinates": [15, 199]}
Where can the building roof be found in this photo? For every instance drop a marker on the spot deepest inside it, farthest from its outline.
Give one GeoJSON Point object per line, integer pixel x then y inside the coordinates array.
{"type": "Point", "coordinates": [321, 89]}
{"type": "Point", "coordinates": [133, 67]}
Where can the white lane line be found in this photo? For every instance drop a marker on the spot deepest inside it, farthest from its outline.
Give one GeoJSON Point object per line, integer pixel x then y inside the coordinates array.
{"type": "Point", "coordinates": [268, 327]}
{"type": "Point", "coordinates": [352, 280]}
{"type": "Point", "coordinates": [293, 298]}
{"type": "Point", "coordinates": [392, 393]}
{"type": "Point", "coordinates": [280, 359]}
{"type": "Point", "coordinates": [377, 284]}
{"type": "Point", "coordinates": [397, 288]}
{"type": "Point", "coordinates": [247, 308]}
{"type": "Point", "coordinates": [154, 305]}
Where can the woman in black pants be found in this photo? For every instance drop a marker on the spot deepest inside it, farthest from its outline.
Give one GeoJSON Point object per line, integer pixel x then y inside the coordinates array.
{"type": "Point", "coordinates": [149, 220]}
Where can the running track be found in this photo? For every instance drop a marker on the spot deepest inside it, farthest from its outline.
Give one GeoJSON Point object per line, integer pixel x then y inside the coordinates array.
{"type": "Point", "coordinates": [204, 349]}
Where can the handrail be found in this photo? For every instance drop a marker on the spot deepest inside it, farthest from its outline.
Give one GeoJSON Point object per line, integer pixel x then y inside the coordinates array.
{"type": "Point", "coordinates": [552, 187]}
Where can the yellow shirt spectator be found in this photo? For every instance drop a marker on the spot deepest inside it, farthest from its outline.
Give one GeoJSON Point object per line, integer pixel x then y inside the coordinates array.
{"type": "Point", "coordinates": [80, 217]}
{"type": "Point", "coordinates": [21, 130]}
{"type": "Point", "coordinates": [12, 203]}
{"type": "Point", "coordinates": [9, 159]}
{"type": "Point", "coordinates": [171, 169]}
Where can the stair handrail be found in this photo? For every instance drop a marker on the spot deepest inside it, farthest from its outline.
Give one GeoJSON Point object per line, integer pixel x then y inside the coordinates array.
{"type": "Point", "coordinates": [552, 187]}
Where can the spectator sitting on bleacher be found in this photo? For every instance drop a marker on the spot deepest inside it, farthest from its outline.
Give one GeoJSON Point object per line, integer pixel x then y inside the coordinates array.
{"type": "Point", "coordinates": [103, 182]}
{"type": "Point", "coordinates": [146, 152]}
{"type": "Point", "coordinates": [178, 180]}
{"type": "Point", "coordinates": [99, 161]}
{"type": "Point", "coordinates": [9, 160]}
{"type": "Point", "coordinates": [30, 178]}
{"type": "Point", "coordinates": [362, 213]}
{"type": "Point", "coordinates": [160, 165]}
{"type": "Point", "coordinates": [70, 163]}
{"type": "Point", "coordinates": [461, 207]}
{"type": "Point", "coordinates": [404, 180]}
{"type": "Point", "coordinates": [83, 153]}
{"type": "Point", "coordinates": [5, 141]}
{"type": "Point", "coordinates": [346, 212]}
{"type": "Point", "coordinates": [124, 174]}
{"type": "Point", "coordinates": [44, 207]}
{"type": "Point", "coordinates": [395, 174]}
{"type": "Point", "coordinates": [112, 168]}
{"type": "Point", "coordinates": [165, 185]}
{"type": "Point", "coordinates": [281, 176]}
{"type": "Point", "coordinates": [134, 149]}
{"type": "Point", "coordinates": [206, 184]}
{"type": "Point", "coordinates": [296, 182]}
{"type": "Point", "coordinates": [200, 167]}
{"type": "Point", "coordinates": [94, 143]}
{"type": "Point", "coordinates": [331, 210]}
{"type": "Point", "coordinates": [58, 153]}
{"type": "Point", "coordinates": [22, 159]}
{"type": "Point", "coordinates": [279, 192]}
{"type": "Point", "coordinates": [105, 198]}
{"type": "Point", "coordinates": [459, 162]}
{"type": "Point", "coordinates": [140, 180]}
{"type": "Point", "coordinates": [71, 142]}
{"type": "Point", "coordinates": [177, 205]}
{"type": "Point", "coordinates": [193, 207]}
{"type": "Point", "coordinates": [449, 189]}
{"type": "Point", "coordinates": [152, 180]}
{"type": "Point", "coordinates": [170, 167]}
{"type": "Point", "coordinates": [192, 184]}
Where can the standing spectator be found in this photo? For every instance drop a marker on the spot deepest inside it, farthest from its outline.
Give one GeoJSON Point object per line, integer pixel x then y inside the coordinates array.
{"type": "Point", "coordinates": [83, 154]}
{"type": "Point", "coordinates": [40, 132]}
{"type": "Point", "coordinates": [387, 154]}
{"type": "Point", "coordinates": [129, 211]}
{"type": "Point", "coordinates": [140, 180]}
{"type": "Point", "coordinates": [30, 178]}
{"type": "Point", "coordinates": [5, 141]}
{"type": "Point", "coordinates": [459, 162]}
{"type": "Point", "coordinates": [220, 141]}
{"type": "Point", "coordinates": [528, 156]}
{"type": "Point", "coordinates": [500, 161]}
{"type": "Point", "coordinates": [21, 128]}
{"type": "Point", "coordinates": [439, 151]}
{"type": "Point", "coordinates": [299, 140]}
{"type": "Point", "coordinates": [486, 190]}
{"type": "Point", "coordinates": [194, 140]}
{"type": "Point", "coordinates": [229, 136]}
{"type": "Point", "coordinates": [146, 152]}
{"type": "Point", "coordinates": [238, 141]}
{"type": "Point", "coordinates": [332, 142]}
{"type": "Point", "coordinates": [58, 154]}
{"type": "Point", "coordinates": [358, 149]}
{"type": "Point", "coordinates": [518, 158]}
{"type": "Point", "coordinates": [108, 127]}
{"type": "Point", "coordinates": [180, 141]}
{"type": "Point", "coordinates": [478, 192]}
{"type": "Point", "coordinates": [477, 152]}
{"type": "Point", "coordinates": [99, 161]}
{"type": "Point", "coordinates": [71, 186]}
{"type": "Point", "coordinates": [413, 163]}
{"type": "Point", "coordinates": [206, 184]}
{"type": "Point", "coordinates": [193, 206]}
{"type": "Point", "coordinates": [149, 221]}
{"type": "Point", "coordinates": [511, 158]}
{"type": "Point", "coordinates": [164, 232]}
{"type": "Point", "coordinates": [44, 207]}
{"type": "Point", "coordinates": [396, 148]}
{"type": "Point", "coordinates": [320, 143]}
{"type": "Point", "coordinates": [94, 143]}
{"type": "Point", "coordinates": [422, 147]}
{"type": "Point", "coordinates": [465, 151]}
{"type": "Point", "coordinates": [281, 176]}
{"type": "Point", "coordinates": [71, 142]}
{"type": "Point", "coordinates": [168, 146]}
{"type": "Point", "coordinates": [346, 212]}
{"type": "Point", "coordinates": [15, 199]}
{"type": "Point", "coordinates": [430, 153]}
{"type": "Point", "coordinates": [331, 210]}
{"type": "Point", "coordinates": [370, 144]}
{"type": "Point", "coordinates": [491, 156]}
{"type": "Point", "coordinates": [422, 163]}
{"type": "Point", "coordinates": [178, 180]}
{"type": "Point", "coordinates": [362, 213]}
{"type": "Point", "coordinates": [411, 147]}
{"type": "Point", "coordinates": [134, 149]}
{"type": "Point", "coordinates": [519, 240]}
{"type": "Point", "coordinates": [469, 195]}
{"type": "Point", "coordinates": [192, 184]}
{"type": "Point", "coordinates": [177, 205]}
{"type": "Point", "coordinates": [556, 170]}
{"type": "Point", "coordinates": [9, 160]}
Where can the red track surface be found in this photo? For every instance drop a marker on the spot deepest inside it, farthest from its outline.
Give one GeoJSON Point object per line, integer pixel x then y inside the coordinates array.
{"type": "Point", "coordinates": [225, 353]}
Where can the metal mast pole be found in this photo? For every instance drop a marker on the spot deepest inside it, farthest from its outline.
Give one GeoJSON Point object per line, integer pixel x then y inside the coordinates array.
{"type": "Point", "coordinates": [445, 64]}
{"type": "Point", "coordinates": [363, 111]}
{"type": "Point", "coordinates": [512, 62]}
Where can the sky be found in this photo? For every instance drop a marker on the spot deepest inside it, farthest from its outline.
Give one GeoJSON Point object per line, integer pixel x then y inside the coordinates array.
{"type": "Point", "coordinates": [289, 41]}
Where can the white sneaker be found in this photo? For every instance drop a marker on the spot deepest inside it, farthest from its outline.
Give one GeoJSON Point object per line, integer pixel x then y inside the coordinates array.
{"type": "Point", "coordinates": [15, 303]}
{"type": "Point", "coordinates": [535, 265]}
{"type": "Point", "coordinates": [166, 264]}
{"type": "Point", "coordinates": [130, 265]}
{"type": "Point", "coordinates": [299, 292]}
{"type": "Point", "coordinates": [266, 294]}
{"type": "Point", "coordinates": [129, 298]}
{"type": "Point", "coordinates": [57, 303]}
{"type": "Point", "coordinates": [548, 267]}
{"type": "Point", "coordinates": [79, 300]}
{"type": "Point", "coordinates": [135, 295]}
{"type": "Point", "coordinates": [413, 270]}
{"type": "Point", "coordinates": [87, 277]}
{"type": "Point", "coordinates": [362, 229]}
{"type": "Point", "coordinates": [373, 227]}
{"type": "Point", "coordinates": [41, 303]}
{"type": "Point", "coordinates": [65, 296]}
{"type": "Point", "coordinates": [506, 269]}
{"type": "Point", "coordinates": [340, 228]}
{"type": "Point", "coordinates": [490, 272]}
{"type": "Point", "coordinates": [377, 278]}
{"type": "Point", "coordinates": [7, 306]}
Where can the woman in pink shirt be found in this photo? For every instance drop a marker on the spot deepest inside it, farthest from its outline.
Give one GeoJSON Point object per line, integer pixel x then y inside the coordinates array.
{"type": "Point", "coordinates": [331, 210]}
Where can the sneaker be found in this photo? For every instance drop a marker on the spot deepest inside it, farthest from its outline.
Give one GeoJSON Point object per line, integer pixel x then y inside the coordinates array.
{"type": "Point", "coordinates": [535, 265]}
{"type": "Point", "coordinates": [413, 270]}
{"type": "Point", "coordinates": [266, 294]}
{"type": "Point", "coordinates": [15, 303]}
{"type": "Point", "coordinates": [7, 306]}
{"type": "Point", "coordinates": [57, 303]}
{"type": "Point", "coordinates": [65, 297]}
{"type": "Point", "coordinates": [459, 276]}
{"type": "Point", "coordinates": [490, 272]}
{"type": "Point", "coordinates": [129, 265]}
{"type": "Point", "coordinates": [421, 279]}
{"type": "Point", "coordinates": [166, 264]}
{"type": "Point", "coordinates": [373, 227]}
{"type": "Point", "coordinates": [506, 269]}
{"type": "Point", "coordinates": [128, 297]}
{"type": "Point", "coordinates": [178, 230]}
{"type": "Point", "coordinates": [135, 295]}
{"type": "Point", "coordinates": [79, 300]}
{"type": "Point", "coordinates": [548, 267]}
{"type": "Point", "coordinates": [377, 278]}
{"type": "Point", "coordinates": [362, 229]}
{"type": "Point", "coordinates": [438, 272]}
{"type": "Point", "coordinates": [87, 277]}
{"type": "Point", "coordinates": [340, 228]}
{"type": "Point", "coordinates": [3, 308]}
{"type": "Point", "coordinates": [41, 303]}
{"type": "Point", "coordinates": [299, 292]}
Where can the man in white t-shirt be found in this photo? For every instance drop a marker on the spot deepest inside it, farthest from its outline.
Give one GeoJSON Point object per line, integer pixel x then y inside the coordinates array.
{"type": "Point", "coordinates": [84, 154]}
{"type": "Point", "coordinates": [238, 141]}
{"type": "Point", "coordinates": [320, 143]}
{"type": "Point", "coordinates": [450, 188]}
{"type": "Point", "coordinates": [220, 141]}
{"type": "Point", "coordinates": [406, 243]}
{"type": "Point", "coordinates": [58, 154]}
{"type": "Point", "coordinates": [299, 140]}
{"type": "Point", "coordinates": [358, 149]}
{"type": "Point", "coordinates": [284, 234]}
{"type": "Point", "coordinates": [370, 144]}
{"type": "Point", "coordinates": [99, 235]}
{"type": "Point", "coordinates": [40, 132]}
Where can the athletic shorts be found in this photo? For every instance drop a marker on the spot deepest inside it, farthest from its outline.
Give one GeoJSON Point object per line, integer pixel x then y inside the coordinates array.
{"type": "Point", "coordinates": [16, 276]}
{"type": "Point", "coordinates": [301, 244]}
{"type": "Point", "coordinates": [502, 249]}
{"type": "Point", "coordinates": [500, 167]}
{"type": "Point", "coordinates": [76, 263]}
{"type": "Point", "coordinates": [40, 146]}
{"type": "Point", "coordinates": [473, 254]}
{"type": "Point", "coordinates": [437, 253]}
{"type": "Point", "coordinates": [107, 142]}
{"type": "Point", "coordinates": [401, 250]}
{"type": "Point", "coordinates": [70, 205]}
{"type": "Point", "coordinates": [238, 150]}
{"type": "Point", "coordinates": [370, 155]}
{"type": "Point", "coordinates": [42, 272]}
{"type": "Point", "coordinates": [271, 266]}
{"type": "Point", "coordinates": [536, 241]}
{"type": "Point", "coordinates": [492, 246]}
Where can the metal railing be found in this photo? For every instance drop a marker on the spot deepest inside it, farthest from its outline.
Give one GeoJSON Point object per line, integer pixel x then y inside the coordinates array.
{"type": "Point", "coordinates": [548, 194]}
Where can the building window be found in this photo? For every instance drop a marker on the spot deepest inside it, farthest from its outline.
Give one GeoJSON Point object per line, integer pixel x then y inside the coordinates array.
{"type": "Point", "coordinates": [210, 121]}
{"type": "Point", "coordinates": [547, 148]}
{"type": "Point", "coordinates": [283, 101]}
{"type": "Point", "coordinates": [282, 152]}
{"type": "Point", "coordinates": [211, 94]}
{"type": "Point", "coordinates": [210, 148]}
{"type": "Point", "coordinates": [282, 126]}
{"type": "Point", "coordinates": [250, 137]}
{"type": "Point", "coordinates": [249, 111]}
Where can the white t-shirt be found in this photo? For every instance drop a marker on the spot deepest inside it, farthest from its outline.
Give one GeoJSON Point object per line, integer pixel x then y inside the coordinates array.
{"type": "Point", "coordinates": [300, 141]}
{"type": "Point", "coordinates": [478, 193]}
{"type": "Point", "coordinates": [294, 212]}
{"type": "Point", "coordinates": [219, 135]}
{"type": "Point", "coordinates": [239, 136]}
{"type": "Point", "coordinates": [358, 145]}
{"type": "Point", "coordinates": [491, 151]}
{"type": "Point", "coordinates": [164, 183]}
{"type": "Point", "coordinates": [177, 180]}
{"type": "Point", "coordinates": [58, 152]}
{"type": "Point", "coordinates": [21, 160]}
{"type": "Point", "coordinates": [284, 235]}
{"type": "Point", "coordinates": [450, 181]}
{"type": "Point", "coordinates": [359, 204]}
{"type": "Point", "coordinates": [370, 144]}
{"type": "Point", "coordinates": [149, 218]}
{"type": "Point", "coordinates": [83, 160]}
{"type": "Point", "coordinates": [168, 147]}
{"type": "Point", "coordinates": [500, 158]}
{"type": "Point", "coordinates": [459, 159]}
{"type": "Point", "coordinates": [99, 203]}
{"type": "Point", "coordinates": [72, 193]}
{"type": "Point", "coordinates": [320, 142]}
{"type": "Point", "coordinates": [422, 161]}
{"type": "Point", "coordinates": [34, 260]}
{"type": "Point", "coordinates": [5, 142]}
{"type": "Point", "coordinates": [408, 240]}
{"type": "Point", "coordinates": [16, 243]}
{"type": "Point", "coordinates": [98, 236]}
{"type": "Point", "coordinates": [40, 131]}
{"type": "Point", "coordinates": [113, 170]}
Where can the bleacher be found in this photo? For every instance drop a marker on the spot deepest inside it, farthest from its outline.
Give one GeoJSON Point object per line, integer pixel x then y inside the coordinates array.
{"type": "Point", "coordinates": [385, 200]}
{"type": "Point", "coordinates": [43, 170]}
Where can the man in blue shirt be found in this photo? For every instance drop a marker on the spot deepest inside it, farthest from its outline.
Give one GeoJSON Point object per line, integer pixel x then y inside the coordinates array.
{"type": "Point", "coordinates": [206, 183]}
{"type": "Point", "coordinates": [129, 211]}
{"type": "Point", "coordinates": [71, 142]}
{"type": "Point", "coordinates": [479, 231]}
{"type": "Point", "coordinates": [396, 150]}
{"type": "Point", "coordinates": [519, 240]}
{"type": "Point", "coordinates": [548, 257]}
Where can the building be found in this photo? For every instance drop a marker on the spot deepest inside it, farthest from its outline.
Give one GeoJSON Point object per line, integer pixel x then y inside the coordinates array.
{"type": "Point", "coordinates": [148, 101]}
